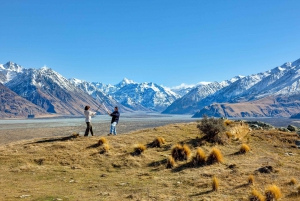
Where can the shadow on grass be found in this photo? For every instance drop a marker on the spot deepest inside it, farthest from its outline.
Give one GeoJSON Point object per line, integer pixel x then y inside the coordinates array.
{"type": "Point", "coordinates": [242, 186]}
{"type": "Point", "coordinates": [293, 195]}
{"type": "Point", "coordinates": [60, 139]}
{"type": "Point", "coordinates": [158, 163]}
{"type": "Point", "coordinates": [184, 167]}
{"type": "Point", "coordinates": [93, 146]}
{"type": "Point", "coordinates": [202, 193]}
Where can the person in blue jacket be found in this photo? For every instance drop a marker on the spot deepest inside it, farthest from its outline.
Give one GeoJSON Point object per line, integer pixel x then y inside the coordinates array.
{"type": "Point", "coordinates": [114, 121]}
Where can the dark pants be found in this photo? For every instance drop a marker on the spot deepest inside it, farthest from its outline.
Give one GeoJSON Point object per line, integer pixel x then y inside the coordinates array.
{"type": "Point", "coordinates": [88, 128]}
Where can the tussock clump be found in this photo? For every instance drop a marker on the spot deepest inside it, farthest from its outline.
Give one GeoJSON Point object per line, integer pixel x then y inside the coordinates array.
{"type": "Point", "coordinates": [170, 162]}
{"type": "Point", "coordinates": [139, 149]}
{"type": "Point", "coordinates": [244, 148]}
{"type": "Point", "coordinates": [251, 179]}
{"type": "Point", "coordinates": [256, 196]}
{"type": "Point", "coordinates": [215, 184]}
{"type": "Point", "coordinates": [228, 122]}
{"type": "Point", "coordinates": [298, 188]}
{"type": "Point", "coordinates": [213, 130]}
{"type": "Point", "coordinates": [272, 192]}
{"type": "Point", "coordinates": [200, 158]}
{"type": "Point", "coordinates": [180, 152]}
{"type": "Point", "coordinates": [293, 181]}
{"type": "Point", "coordinates": [229, 134]}
{"type": "Point", "coordinates": [105, 148]}
{"type": "Point", "coordinates": [158, 142]}
{"type": "Point", "coordinates": [102, 141]}
{"type": "Point", "coordinates": [215, 156]}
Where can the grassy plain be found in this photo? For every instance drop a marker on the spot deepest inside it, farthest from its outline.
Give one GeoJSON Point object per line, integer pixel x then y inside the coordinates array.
{"type": "Point", "coordinates": [81, 168]}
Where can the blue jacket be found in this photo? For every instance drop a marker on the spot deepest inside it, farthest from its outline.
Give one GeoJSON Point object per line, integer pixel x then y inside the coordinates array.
{"type": "Point", "coordinates": [115, 116]}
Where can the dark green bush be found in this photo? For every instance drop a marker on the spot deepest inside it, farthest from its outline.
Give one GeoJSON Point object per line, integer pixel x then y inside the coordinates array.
{"type": "Point", "coordinates": [213, 129]}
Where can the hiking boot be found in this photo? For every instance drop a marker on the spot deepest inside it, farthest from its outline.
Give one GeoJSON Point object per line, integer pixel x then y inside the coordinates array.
{"type": "Point", "coordinates": [109, 134]}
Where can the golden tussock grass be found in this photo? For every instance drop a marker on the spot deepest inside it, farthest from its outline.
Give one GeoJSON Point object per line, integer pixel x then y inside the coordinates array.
{"type": "Point", "coordinates": [228, 122]}
{"type": "Point", "coordinates": [215, 184]}
{"type": "Point", "coordinates": [298, 189]}
{"type": "Point", "coordinates": [272, 192]}
{"type": "Point", "coordinates": [102, 141]}
{"type": "Point", "coordinates": [170, 162]}
{"type": "Point", "coordinates": [244, 148]}
{"type": "Point", "coordinates": [157, 142]}
{"type": "Point", "coordinates": [139, 149]}
{"type": "Point", "coordinates": [215, 156]}
{"type": "Point", "coordinates": [229, 134]}
{"type": "Point", "coordinates": [293, 181]}
{"type": "Point", "coordinates": [256, 196]}
{"type": "Point", "coordinates": [251, 179]}
{"type": "Point", "coordinates": [200, 158]}
{"type": "Point", "coordinates": [179, 152]}
{"type": "Point", "coordinates": [105, 148]}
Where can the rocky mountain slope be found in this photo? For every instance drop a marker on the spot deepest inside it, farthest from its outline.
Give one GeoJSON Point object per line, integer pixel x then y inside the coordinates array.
{"type": "Point", "coordinates": [277, 89]}
{"type": "Point", "coordinates": [51, 91]}
{"type": "Point", "coordinates": [13, 106]}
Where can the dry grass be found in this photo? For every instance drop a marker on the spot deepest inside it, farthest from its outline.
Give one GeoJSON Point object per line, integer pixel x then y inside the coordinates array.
{"type": "Point", "coordinates": [272, 192]}
{"type": "Point", "coordinates": [298, 189]}
{"type": "Point", "coordinates": [215, 184]}
{"type": "Point", "coordinates": [228, 122]}
{"type": "Point", "coordinates": [215, 156]}
{"type": "Point", "coordinates": [105, 148]}
{"type": "Point", "coordinates": [102, 141]}
{"type": "Point", "coordinates": [244, 148]}
{"type": "Point", "coordinates": [200, 158]}
{"type": "Point", "coordinates": [256, 196]}
{"type": "Point", "coordinates": [72, 169]}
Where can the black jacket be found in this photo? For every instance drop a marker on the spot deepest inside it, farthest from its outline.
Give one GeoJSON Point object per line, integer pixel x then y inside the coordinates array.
{"type": "Point", "coordinates": [115, 116]}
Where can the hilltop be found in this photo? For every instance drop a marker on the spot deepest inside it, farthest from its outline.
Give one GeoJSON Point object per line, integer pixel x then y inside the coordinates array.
{"type": "Point", "coordinates": [77, 168]}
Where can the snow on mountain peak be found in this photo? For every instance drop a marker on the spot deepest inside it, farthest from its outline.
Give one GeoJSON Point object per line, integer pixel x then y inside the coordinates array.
{"type": "Point", "coordinates": [13, 67]}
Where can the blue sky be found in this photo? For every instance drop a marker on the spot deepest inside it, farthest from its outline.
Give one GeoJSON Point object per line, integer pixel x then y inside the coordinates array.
{"type": "Point", "coordinates": [161, 41]}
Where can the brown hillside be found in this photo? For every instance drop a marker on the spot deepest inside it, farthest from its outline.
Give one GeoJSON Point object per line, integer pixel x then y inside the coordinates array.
{"type": "Point", "coordinates": [77, 168]}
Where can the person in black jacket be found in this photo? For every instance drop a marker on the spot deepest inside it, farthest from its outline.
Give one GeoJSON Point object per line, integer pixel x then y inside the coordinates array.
{"type": "Point", "coordinates": [114, 121]}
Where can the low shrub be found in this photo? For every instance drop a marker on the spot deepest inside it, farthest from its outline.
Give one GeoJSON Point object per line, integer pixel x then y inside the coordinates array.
{"type": "Point", "coordinates": [215, 156]}
{"type": "Point", "coordinates": [170, 162]}
{"type": "Point", "coordinates": [215, 184]}
{"type": "Point", "coordinates": [272, 192]}
{"type": "Point", "coordinates": [256, 196]}
{"type": "Point", "coordinates": [244, 148]}
{"type": "Point", "coordinates": [213, 128]}
{"type": "Point", "coordinates": [180, 152]}
{"type": "Point", "coordinates": [200, 158]}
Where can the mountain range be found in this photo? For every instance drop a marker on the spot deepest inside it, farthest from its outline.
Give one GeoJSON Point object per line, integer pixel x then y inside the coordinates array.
{"type": "Point", "coordinates": [273, 93]}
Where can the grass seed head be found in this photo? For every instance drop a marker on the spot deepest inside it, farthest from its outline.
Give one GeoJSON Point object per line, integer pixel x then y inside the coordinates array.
{"type": "Point", "coordinates": [105, 148]}
{"type": "Point", "coordinates": [244, 148]}
{"type": "Point", "coordinates": [215, 184]}
{"type": "Point", "coordinates": [158, 142]}
{"type": "Point", "coordinates": [272, 192]}
{"type": "Point", "coordinates": [256, 196]}
{"type": "Point", "coordinates": [215, 156]}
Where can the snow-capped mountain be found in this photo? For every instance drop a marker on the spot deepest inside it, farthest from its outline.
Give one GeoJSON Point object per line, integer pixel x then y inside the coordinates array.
{"type": "Point", "coordinates": [8, 71]}
{"type": "Point", "coordinates": [136, 96]}
{"type": "Point", "coordinates": [189, 102]}
{"type": "Point", "coordinates": [97, 93]}
{"type": "Point", "coordinates": [143, 96]}
{"type": "Point", "coordinates": [51, 91]}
